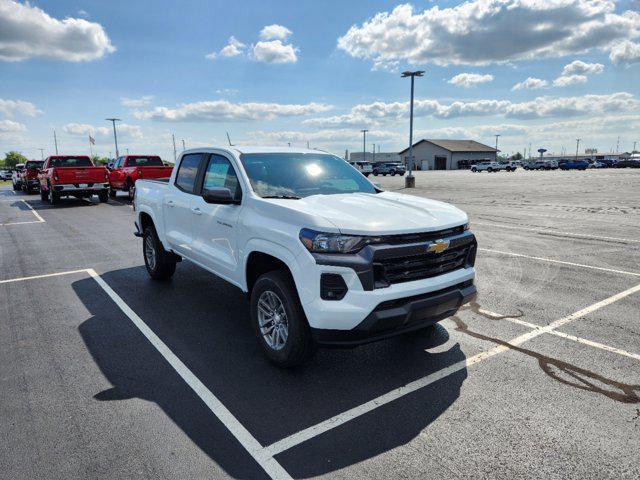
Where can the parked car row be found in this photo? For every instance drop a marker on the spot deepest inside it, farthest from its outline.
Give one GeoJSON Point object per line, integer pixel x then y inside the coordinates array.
{"type": "Point", "coordinates": [76, 176]}
{"type": "Point", "coordinates": [494, 167]}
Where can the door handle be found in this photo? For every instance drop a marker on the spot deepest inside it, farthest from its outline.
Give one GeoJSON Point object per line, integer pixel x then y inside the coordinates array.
{"type": "Point", "coordinates": [170, 203]}
{"type": "Point", "coordinates": [196, 211]}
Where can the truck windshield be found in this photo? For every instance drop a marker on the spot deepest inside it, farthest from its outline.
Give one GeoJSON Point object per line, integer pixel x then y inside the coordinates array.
{"type": "Point", "coordinates": [144, 162]}
{"type": "Point", "coordinates": [297, 175]}
{"type": "Point", "coordinates": [70, 162]}
{"type": "Point", "coordinates": [33, 165]}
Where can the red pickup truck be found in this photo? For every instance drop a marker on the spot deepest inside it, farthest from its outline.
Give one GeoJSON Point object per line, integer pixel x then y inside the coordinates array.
{"type": "Point", "coordinates": [72, 175]}
{"type": "Point", "coordinates": [29, 176]}
{"type": "Point", "coordinates": [127, 169]}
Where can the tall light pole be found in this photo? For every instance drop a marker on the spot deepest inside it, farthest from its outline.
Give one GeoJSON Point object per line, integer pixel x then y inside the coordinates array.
{"type": "Point", "coordinates": [183, 145]}
{"type": "Point", "coordinates": [634, 147]}
{"type": "Point", "coordinates": [374, 152]}
{"type": "Point", "coordinates": [175, 157]}
{"type": "Point", "coordinates": [55, 140]}
{"type": "Point", "coordinates": [577, 146]}
{"type": "Point", "coordinates": [115, 135]}
{"type": "Point", "coordinates": [410, 181]}
{"type": "Point", "coordinates": [41, 153]}
{"type": "Point", "coordinates": [364, 144]}
{"type": "Point", "coordinates": [497, 136]}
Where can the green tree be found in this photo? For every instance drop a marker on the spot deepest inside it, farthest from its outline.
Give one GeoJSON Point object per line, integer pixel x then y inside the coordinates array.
{"type": "Point", "coordinates": [11, 159]}
{"type": "Point", "coordinates": [99, 160]}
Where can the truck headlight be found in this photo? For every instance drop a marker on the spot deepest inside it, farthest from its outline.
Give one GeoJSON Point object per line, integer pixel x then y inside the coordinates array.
{"type": "Point", "coordinates": [323, 242]}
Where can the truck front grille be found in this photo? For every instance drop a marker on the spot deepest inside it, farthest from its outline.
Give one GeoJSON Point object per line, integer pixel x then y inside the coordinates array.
{"type": "Point", "coordinates": [417, 266]}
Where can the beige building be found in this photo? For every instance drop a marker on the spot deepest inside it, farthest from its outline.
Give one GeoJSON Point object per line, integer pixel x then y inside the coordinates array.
{"type": "Point", "coordinates": [448, 154]}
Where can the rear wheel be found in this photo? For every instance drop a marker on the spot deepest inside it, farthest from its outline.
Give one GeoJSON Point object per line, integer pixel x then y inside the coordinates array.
{"type": "Point", "coordinates": [393, 173]}
{"type": "Point", "coordinates": [131, 190]}
{"type": "Point", "coordinates": [103, 196]}
{"type": "Point", "coordinates": [54, 197]}
{"type": "Point", "coordinates": [375, 172]}
{"type": "Point", "coordinates": [489, 169]}
{"type": "Point", "coordinates": [160, 264]}
{"type": "Point", "coordinates": [279, 320]}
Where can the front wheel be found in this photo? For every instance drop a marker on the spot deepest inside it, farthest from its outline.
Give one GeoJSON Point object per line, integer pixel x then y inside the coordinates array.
{"type": "Point", "coordinates": [112, 192]}
{"type": "Point", "coordinates": [375, 172]}
{"type": "Point", "coordinates": [160, 264]}
{"type": "Point", "coordinates": [393, 173]}
{"type": "Point", "coordinates": [489, 170]}
{"type": "Point", "coordinates": [103, 196]}
{"type": "Point", "coordinates": [279, 320]}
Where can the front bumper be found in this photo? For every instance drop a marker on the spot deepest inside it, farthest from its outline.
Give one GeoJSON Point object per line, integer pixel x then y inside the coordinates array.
{"type": "Point", "coordinates": [399, 316]}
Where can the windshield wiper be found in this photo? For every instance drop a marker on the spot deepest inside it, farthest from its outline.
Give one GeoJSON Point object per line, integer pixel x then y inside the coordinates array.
{"type": "Point", "coordinates": [287, 197]}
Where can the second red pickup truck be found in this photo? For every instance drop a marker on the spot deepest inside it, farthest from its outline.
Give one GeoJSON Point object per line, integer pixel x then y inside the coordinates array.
{"type": "Point", "coordinates": [127, 169]}
{"type": "Point", "coordinates": [72, 175]}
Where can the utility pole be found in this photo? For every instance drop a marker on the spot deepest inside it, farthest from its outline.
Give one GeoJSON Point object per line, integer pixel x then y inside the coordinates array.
{"type": "Point", "coordinates": [634, 147]}
{"type": "Point", "coordinates": [497, 143]}
{"type": "Point", "coordinates": [374, 152]}
{"type": "Point", "coordinates": [183, 145]}
{"type": "Point", "coordinates": [175, 156]}
{"type": "Point", "coordinates": [42, 153]}
{"type": "Point", "coordinates": [410, 181]}
{"type": "Point", "coordinates": [364, 145]}
{"type": "Point", "coordinates": [577, 146]}
{"type": "Point", "coordinates": [618, 145]}
{"type": "Point", "coordinates": [307, 144]}
{"type": "Point", "coordinates": [55, 140]}
{"type": "Point", "coordinates": [115, 135]}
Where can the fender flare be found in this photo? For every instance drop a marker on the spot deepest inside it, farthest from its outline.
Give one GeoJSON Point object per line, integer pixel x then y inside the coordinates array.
{"type": "Point", "coordinates": [160, 231]}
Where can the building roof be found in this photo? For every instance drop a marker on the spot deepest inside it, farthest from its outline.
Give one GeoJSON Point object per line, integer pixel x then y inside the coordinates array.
{"type": "Point", "coordinates": [456, 146]}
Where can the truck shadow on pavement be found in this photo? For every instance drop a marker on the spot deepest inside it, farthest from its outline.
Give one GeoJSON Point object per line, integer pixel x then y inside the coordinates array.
{"type": "Point", "coordinates": [205, 322]}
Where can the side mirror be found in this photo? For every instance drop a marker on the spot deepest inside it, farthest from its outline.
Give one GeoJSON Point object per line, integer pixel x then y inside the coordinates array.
{"type": "Point", "coordinates": [221, 196]}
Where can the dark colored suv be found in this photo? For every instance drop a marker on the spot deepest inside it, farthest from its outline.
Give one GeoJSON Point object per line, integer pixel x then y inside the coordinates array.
{"type": "Point", "coordinates": [389, 168]}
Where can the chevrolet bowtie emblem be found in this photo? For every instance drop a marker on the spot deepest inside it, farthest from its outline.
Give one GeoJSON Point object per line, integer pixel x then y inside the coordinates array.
{"type": "Point", "coordinates": [439, 246]}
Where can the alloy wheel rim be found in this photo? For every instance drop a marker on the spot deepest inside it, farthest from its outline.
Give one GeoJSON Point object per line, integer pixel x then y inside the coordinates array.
{"type": "Point", "coordinates": [272, 320]}
{"type": "Point", "coordinates": [150, 252]}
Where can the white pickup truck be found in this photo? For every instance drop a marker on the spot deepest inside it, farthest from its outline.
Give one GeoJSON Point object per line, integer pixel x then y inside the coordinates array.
{"type": "Point", "coordinates": [325, 257]}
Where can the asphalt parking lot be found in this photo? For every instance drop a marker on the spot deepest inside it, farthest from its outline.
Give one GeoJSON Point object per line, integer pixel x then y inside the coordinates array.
{"type": "Point", "coordinates": [106, 374]}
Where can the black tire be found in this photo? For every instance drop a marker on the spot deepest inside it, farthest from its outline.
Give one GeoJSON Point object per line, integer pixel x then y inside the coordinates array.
{"type": "Point", "coordinates": [392, 173]}
{"type": "Point", "coordinates": [160, 264]}
{"type": "Point", "coordinates": [299, 345]}
{"type": "Point", "coordinates": [375, 172]}
{"type": "Point", "coordinates": [44, 195]}
{"type": "Point", "coordinates": [54, 198]}
{"type": "Point", "coordinates": [131, 191]}
{"type": "Point", "coordinates": [474, 170]}
{"type": "Point", "coordinates": [103, 196]}
{"type": "Point", "coordinates": [489, 170]}
{"type": "Point", "coordinates": [112, 192]}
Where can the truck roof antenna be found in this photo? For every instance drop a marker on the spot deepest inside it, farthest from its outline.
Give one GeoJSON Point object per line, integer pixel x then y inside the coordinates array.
{"type": "Point", "coordinates": [229, 140]}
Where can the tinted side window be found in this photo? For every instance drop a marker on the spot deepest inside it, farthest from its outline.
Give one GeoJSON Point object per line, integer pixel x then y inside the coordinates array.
{"type": "Point", "coordinates": [188, 171]}
{"type": "Point", "coordinates": [220, 174]}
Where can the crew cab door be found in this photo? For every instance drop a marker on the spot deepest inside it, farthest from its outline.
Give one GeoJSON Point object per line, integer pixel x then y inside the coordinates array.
{"type": "Point", "coordinates": [176, 204]}
{"type": "Point", "coordinates": [215, 225]}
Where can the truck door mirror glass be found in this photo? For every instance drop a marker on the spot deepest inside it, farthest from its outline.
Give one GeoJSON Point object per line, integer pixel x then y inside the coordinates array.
{"type": "Point", "coordinates": [219, 196]}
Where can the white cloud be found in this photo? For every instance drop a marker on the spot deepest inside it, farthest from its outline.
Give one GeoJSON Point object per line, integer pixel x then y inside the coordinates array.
{"type": "Point", "coordinates": [233, 48]}
{"type": "Point", "coordinates": [227, 91]}
{"type": "Point", "coordinates": [275, 32]}
{"type": "Point", "coordinates": [8, 126]}
{"type": "Point", "coordinates": [482, 32]}
{"type": "Point", "coordinates": [578, 67]}
{"type": "Point", "coordinates": [224, 111]}
{"type": "Point", "coordinates": [541, 107]}
{"type": "Point", "coordinates": [568, 80]}
{"type": "Point", "coordinates": [625, 53]}
{"type": "Point", "coordinates": [468, 80]}
{"type": "Point", "coordinates": [11, 107]}
{"type": "Point", "coordinates": [29, 32]}
{"type": "Point", "coordinates": [83, 13]}
{"type": "Point", "coordinates": [125, 131]}
{"type": "Point", "coordinates": [530, 83]}
{"type": "Point", "coordinates": [274, 52]}
{"type": "Point", "coordinates": [137, 102]}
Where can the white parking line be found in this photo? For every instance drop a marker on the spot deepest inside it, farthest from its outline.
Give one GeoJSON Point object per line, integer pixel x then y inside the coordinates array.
{"type": "Point", "coordinates": [340, 419]}
{"type": "Point", "coordinates": [567, 336]}
{"type": "Point", "coordinates": [37, 215]}
{"type": "Point", "coordinates": [248, 441]}
{"type": "Point", "coordinates": [551, 260]}
{"type": "Point", "coordinates": [558, 232]}
{"type": "Point", "coordinates": [46, 275]}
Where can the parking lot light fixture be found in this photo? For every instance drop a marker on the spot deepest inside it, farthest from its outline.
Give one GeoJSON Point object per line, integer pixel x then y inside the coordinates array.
{"type": "Point", "coordinates": [115, 135]}
{"type": "Point", "coordinates": [364, 144]}
{"type": "Point", "coordinates": [410, 181]}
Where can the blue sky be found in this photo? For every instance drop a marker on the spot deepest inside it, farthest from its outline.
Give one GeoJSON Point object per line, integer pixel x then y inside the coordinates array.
{"type": "Point", "coordinates": [319, 72]}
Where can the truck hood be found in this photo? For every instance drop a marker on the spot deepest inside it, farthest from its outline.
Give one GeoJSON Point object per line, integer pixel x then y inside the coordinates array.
{"type": "Point", "coordinates": [385, 213]}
